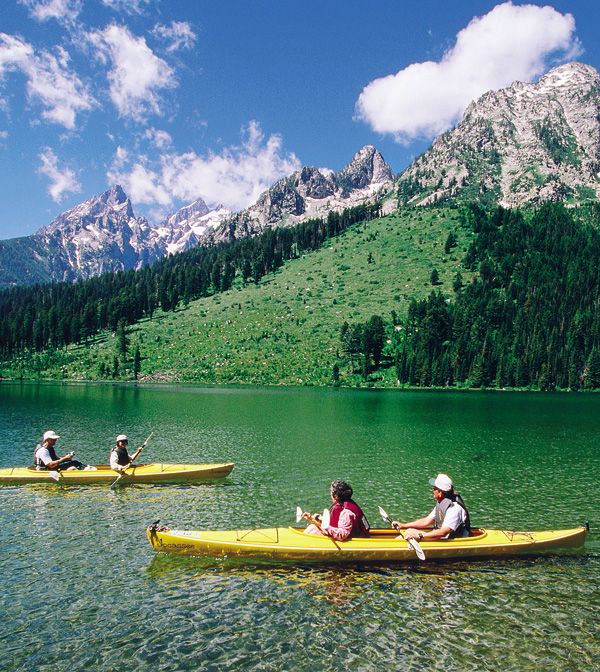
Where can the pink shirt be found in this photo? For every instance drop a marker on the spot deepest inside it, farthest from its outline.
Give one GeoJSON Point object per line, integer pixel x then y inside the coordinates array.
{"type": "Point", "coordinates": [345, 524]}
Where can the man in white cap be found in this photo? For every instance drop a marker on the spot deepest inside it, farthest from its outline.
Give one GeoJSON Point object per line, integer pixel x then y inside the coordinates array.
{"type": "Point", "coordinates": [449, 517]}
{"type": "Point", "coordinates": [120, 459]}
{"type": "Point", "coordinates": [45, 457]}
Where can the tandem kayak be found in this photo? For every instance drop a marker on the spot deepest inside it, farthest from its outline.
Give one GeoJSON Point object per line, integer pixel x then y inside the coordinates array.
{"type": "Point", "coordinates": [141, 473]}
{"type": "Point", "coordinates": [291, 543]}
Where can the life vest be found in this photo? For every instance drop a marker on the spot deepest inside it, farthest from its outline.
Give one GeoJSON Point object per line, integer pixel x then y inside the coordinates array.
{"type": "Point", "coordinates": [38, 463]}
{"type": "Point", "coordinates": [122, 455]}
{"type": "Point", "coordinates": [441, 508]}
{"type": "Point", "coordinates": [360, 527]}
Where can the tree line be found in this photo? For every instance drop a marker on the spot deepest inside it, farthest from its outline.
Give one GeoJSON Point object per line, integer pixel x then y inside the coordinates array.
{"type": "Point", "coordinates": [51, 316]}
{"type": "Point", "coordinates": [529, 318]}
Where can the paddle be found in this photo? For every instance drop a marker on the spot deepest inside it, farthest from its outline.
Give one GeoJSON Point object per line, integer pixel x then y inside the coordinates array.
{"type": "Point", "coordinates": [324, 521]}
{"type": "Point", "coordinates": [317, 522]}
{"type": "Point", "coordinates": [135, 455]}
{"type": "Point", "coordinates": [413, 543]}
{"type": "Point", "coordinates": [55, 475]}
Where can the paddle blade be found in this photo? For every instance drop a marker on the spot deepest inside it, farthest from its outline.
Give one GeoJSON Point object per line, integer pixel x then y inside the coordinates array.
{"type": "Point", "coordinates": [54, 475]}
{"type": "Point", "coordinates": [383, 514]}
{"type": "Point", "coordinates": [299, 514]}
{"type": "Point", "coordinates": [325, 518]}
{"type": "Point", "coordinates": [416, 546]}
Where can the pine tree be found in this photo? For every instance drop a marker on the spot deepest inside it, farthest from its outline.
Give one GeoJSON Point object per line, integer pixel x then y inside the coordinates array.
{"type": "Point", "coordinates": [122, 340]}
{"type": "Point", "coordinates": [137, 362]}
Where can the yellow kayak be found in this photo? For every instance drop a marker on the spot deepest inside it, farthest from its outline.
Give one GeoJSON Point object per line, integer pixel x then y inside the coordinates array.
{"type": "Point", "coordinates": [102, 473]}
{"type": "Point", "coordinates": [291, 543]}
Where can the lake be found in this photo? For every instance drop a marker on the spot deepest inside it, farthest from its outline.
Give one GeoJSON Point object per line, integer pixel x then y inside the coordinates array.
{"type": "Point", "coordinates": [81, 586]}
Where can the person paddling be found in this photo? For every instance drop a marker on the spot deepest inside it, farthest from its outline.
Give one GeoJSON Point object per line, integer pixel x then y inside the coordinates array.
{"type": "Point", "coordinates": [45, 457]}
{"type": "Point", "coordinates": [119, 458]}
{"type": "Point", "coordinates": [346, 517]}
{"type": "Point", "coordinates": [449, 517]}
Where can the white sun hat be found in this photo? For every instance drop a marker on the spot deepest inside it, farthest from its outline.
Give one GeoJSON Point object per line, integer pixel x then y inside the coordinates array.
{"type": "Point", "coordinates": [50, 435]}
{"type": "Point", "coordinates": [122, 437]}
{"type": "Point", "coordinates": [442, 482]}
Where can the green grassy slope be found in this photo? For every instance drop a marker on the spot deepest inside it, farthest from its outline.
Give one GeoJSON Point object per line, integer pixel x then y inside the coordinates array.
{"type": "Point", "coordinates": [285, 330]}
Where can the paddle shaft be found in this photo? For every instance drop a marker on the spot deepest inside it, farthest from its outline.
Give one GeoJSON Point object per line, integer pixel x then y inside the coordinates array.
{"type": "Point", "coordinates": [413, 543]}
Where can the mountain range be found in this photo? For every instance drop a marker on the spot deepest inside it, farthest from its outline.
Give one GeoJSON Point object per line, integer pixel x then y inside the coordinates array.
{"type": "Point", "coordinates": [524, 144]}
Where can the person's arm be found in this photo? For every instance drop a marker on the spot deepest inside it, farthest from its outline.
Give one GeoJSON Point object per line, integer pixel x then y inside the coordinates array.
{"type": "Point", "coordinates": [418, 524]}
{"type": "Point", "coordinates": [134, 456]}
{"type": "Point", "coordinates": [53, 464]}
{"type": "Point", "coordinates": [430, 535]}
{"type": "Point", "coordinates": [451, 521]}
{"type": "Point", "coordinates": [344, 528]}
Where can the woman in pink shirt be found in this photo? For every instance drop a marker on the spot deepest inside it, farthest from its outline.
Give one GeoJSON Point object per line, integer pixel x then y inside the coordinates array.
{"type": "Point", "coordinates": [346, 518]}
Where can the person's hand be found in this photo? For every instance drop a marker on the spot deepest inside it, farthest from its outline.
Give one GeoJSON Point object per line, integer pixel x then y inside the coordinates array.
{"type": "Point", "coordinates": [412, 533]}
{"type": "Point", "coordinates": [312, 518]}
{"type": "Point", "coordinates": [396, 525]}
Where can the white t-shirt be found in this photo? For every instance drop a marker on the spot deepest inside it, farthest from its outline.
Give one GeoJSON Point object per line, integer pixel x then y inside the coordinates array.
{"type": "Point", "coordinates": [43, 455]}
{"type": "Point", "coordinates": [455, 516]}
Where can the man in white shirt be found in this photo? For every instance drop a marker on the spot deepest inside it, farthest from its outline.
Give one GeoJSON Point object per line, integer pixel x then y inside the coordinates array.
{"type": "Point", "coordinates": [449, 516]}
{"type": "Point", "coordinates": [45, 457]}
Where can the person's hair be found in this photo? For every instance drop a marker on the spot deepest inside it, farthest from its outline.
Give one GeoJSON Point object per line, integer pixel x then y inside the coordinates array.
{"type": "Point", "coordinates": [341, 491]}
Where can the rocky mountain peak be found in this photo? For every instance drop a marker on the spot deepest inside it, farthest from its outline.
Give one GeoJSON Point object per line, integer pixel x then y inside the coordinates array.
{"type": "Point", "coordinates": [527, 143]}
{"type": "Point", "coordinates": [367, 167]}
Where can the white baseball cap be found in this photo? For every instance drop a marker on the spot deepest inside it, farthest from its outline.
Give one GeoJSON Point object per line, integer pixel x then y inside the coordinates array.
{"type": "Point", "coordinates": [50, 435]}
{"type": "Point", "coordinates": [122, 437]}
{"type": "Point", "coordinates": [442, 482]}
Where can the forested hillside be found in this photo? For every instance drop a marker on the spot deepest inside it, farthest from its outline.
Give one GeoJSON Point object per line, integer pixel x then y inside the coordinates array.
{"type": "Point", "coordinates": [282, 329]}
{"type": "Point", "coordinates": [424, 297]}
{"type": "Point", "coordinates": [55, 315]}
{"type": "Point", "coordinates": [530, 317]}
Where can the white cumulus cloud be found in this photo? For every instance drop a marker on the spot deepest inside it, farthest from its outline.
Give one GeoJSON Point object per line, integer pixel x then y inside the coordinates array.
{"type": "Point", "coordinates": [62, 180]}
{"type": "Point", "coordinates": [50, 82]}
{"type": "Point", "coordinates": [235, 177]}
{"type": "Point", "coordinates": [511, 42]}
{"type": "Point", "coordinates": [137, 75]}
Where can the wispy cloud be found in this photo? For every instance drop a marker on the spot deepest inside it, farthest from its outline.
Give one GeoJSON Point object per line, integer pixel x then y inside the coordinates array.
{"type": "Point", "coordinates": [509, 43]}
{"type": "Point", "coordinates": [50, 82]}
{"type": "Point", "coordinates": [137, 75]}
{"type": "Point", "coordinates": [179, 35]}
{"type": "Point", "coordinates": [62, 181]}
{"type": "Point", "coordinates": [128, 6]}
{"type": "Point", "coordinates": [65, 11]}
{"type": "Point", "coordinates": [157, 137]}
{"type": "Point", "coordinates": [235, 177]}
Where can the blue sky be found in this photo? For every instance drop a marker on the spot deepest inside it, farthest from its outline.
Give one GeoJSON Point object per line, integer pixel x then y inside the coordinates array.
{"type": "Point", "coordinates": [177, 100]}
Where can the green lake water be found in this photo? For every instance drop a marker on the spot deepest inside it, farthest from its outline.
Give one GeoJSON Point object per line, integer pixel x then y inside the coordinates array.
{"type": "Point", "coordinates": [81, 587]}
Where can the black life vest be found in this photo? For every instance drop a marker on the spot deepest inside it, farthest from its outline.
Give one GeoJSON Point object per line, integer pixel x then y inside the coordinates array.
{"type": "Point", "coordinates": [38, 463]}
{"type": "Point", "coordinates": [360, 527]}
{"type": "Point", "coordinates": [441, 508]}
{"type": "Point", "coordinates": [122, 455]}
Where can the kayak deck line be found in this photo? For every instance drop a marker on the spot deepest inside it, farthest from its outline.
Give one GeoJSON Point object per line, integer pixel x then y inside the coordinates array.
{"type": "Point", "coordinates": [154, 472]}
{"type": "Point", "coordinates": [383, 545]}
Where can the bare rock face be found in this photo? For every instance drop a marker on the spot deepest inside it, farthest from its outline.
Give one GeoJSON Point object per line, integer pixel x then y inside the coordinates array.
{"type": "Point", "coordinates": [312, 192]}
{"type": "Point", "coordinates": [527, 143]}
{"type": "Point", "coordinates": [99, 235]}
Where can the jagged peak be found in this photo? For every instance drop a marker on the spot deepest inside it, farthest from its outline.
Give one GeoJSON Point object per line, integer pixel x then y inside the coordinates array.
{"type": "Point", "coordinates": [367, 167]}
